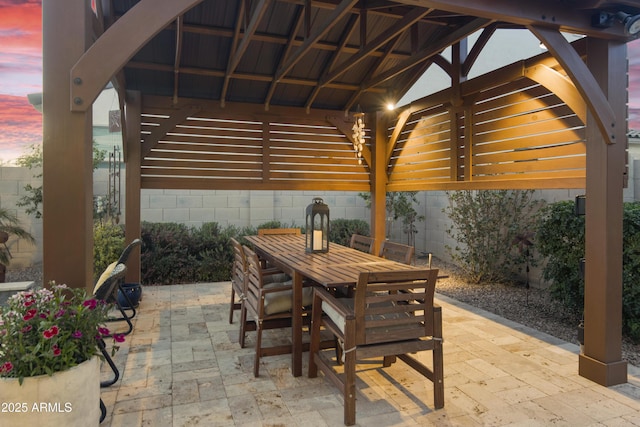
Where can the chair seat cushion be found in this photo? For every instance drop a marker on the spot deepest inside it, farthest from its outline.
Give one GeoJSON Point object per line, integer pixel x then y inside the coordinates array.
{"type": "Point", "coordinates": [340, 320]}
{"type": "Point", "coordinates": [281, 302]}
{"type": "Point", "coordinates": [277, 278]}
{"type": "Point", "coordinates": [104, 276]}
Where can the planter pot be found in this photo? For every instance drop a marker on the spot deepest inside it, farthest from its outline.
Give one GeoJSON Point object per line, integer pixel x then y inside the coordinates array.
{"type": "Point", "coordinates": [133, 291]}
{"type": "Point", "coordinates": [67, 398]}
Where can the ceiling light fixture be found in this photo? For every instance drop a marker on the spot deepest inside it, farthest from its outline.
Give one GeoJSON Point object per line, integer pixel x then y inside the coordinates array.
{"type": "Point", "coordinates": [630, 22]}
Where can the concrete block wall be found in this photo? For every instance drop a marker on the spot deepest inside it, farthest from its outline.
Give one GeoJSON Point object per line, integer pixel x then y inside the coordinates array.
{"type": "Point", "coordinates": [251, 208]}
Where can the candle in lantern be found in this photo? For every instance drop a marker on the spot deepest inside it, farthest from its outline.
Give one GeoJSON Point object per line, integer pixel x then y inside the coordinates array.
{"type": "Point", "coordinates": [317, 240]}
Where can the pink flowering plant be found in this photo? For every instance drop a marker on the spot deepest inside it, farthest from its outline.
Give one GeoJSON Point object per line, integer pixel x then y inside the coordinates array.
{"type": "Point", "coordinates": [50, 330]}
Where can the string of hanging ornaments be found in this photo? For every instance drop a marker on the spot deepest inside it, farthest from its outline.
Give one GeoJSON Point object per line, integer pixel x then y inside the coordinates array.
{"type": "Point", "coordinates": [358, 134]}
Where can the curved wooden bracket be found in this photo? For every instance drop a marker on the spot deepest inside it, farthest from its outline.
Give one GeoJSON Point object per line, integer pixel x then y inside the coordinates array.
{"type": "Point", "coordinates": [117, 45]}
{"type": "Point", "coordinates": [585, 82]}
{"type": "Point", "coordinates": [561, 86]}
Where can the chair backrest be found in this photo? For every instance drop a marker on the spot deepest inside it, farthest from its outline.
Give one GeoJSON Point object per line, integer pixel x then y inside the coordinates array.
{"type": "Point", "coordinates": [394, 305]}
{"type": "Point", "coordinates": [396, 252]}
{"type": "Point", "coordinates": [127, 251]}
{"type": "Point", "coordinates": [106, 285]}
{"type": "Point", "coordinates": [362, 243]}
{"type": "Point", "coordinates": [254, 280]}
{"type": "Point", "coordinates": [239, 269]}
{"type": "Point", "coordinates": [266, 231]}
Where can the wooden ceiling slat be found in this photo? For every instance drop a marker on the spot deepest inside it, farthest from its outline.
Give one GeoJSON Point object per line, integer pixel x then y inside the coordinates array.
{"type": "Point", "coordinates": [201, 165]}
{"type": "Point", "coordinates": [524, 167]}
{"type": "Point", "coordinates": [210, 146]}
{"type": "Point", "coordinates": [201, 173]}
{"type": "Point", "coordinates": [573, 149]}
{"type": "Point", "coordinates": [536, 118]}
{"type": "Point", "coordinates": [199, 183]}
{"type": "Point", "coordinates": [526, 141]}
{"type": "Point", "coordinates": [531, 130]}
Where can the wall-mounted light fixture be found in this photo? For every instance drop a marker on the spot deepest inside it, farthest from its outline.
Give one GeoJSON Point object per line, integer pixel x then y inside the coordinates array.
{"type": "Point", "coordinates": [358, 134]}
{"type": "Point", "coordinates": [630, 22]}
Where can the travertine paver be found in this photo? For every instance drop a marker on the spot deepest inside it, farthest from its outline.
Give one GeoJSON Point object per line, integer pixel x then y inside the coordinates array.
{"type": "Point", "coordinates": [182, 366]}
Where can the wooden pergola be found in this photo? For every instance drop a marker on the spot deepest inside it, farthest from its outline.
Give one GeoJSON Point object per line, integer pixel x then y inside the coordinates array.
{"type": "Point", "coordinates": [261, 94]}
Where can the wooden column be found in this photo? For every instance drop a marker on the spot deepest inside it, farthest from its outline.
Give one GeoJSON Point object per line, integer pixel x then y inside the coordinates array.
{"type": "Point", "coordinates": [132, 198]}
{"type": "Point", "coordinates": [602, 358]}
{"type": "Point", "coordinates": [378, 168]}
{"type": "Point", "coordinates": [67, 149]}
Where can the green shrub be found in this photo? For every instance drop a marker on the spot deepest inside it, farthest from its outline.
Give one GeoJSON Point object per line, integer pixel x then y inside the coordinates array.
{"type": "Point", "coordinates": [560, 238]}
{"type": "Point", "coordinates": [166, 254]}
{"type": "Point", "coordinates": [341, 230]}
{"type": "Point", "coordinates": [494, 231]}
{"type": "Point", "coordinates": [108, 244]}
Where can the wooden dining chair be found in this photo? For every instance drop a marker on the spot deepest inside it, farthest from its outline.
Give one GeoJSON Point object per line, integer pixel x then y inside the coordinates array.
{"type": "Point", "coordinates": [362, 243]}
{"type": "Point", "coordinates": [268, 231]}
{"type": "Point", "coordinates": [238, 278]}
{"type": "Point", "coordinates": [391, 315]}
{"type": "Point", "coordinates": [396, 252]}
{"type": "Point", "coordinates": [268, 305]}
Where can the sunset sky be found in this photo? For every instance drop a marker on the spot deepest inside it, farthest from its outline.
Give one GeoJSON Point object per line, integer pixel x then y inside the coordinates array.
{"type": "Point", "coordinates": [21, 74]}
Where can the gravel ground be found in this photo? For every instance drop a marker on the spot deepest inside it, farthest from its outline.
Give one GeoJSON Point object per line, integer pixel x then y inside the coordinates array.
{"type": "Point", "coordinates": [533, 307]}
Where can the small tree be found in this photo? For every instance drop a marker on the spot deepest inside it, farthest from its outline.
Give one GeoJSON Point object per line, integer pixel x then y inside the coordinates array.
{"type": "Point", "coordinates": [32, 200]}
{"type": "Point", "coordinates": [399, 205]}
{"type": "Point", "coordinates": [494, 232]}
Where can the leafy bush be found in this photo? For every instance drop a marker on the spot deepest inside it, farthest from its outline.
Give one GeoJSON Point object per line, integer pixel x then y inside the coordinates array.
{"type": "Point", "coordinates": [341, 230]}
{"type": "Point", "coordinates": [108, 244]}
{"type": "Point", "coordinates": [560, 238]}
{"type": "Point", "coordinates": [174, 253]}
{"type": "Point", "coordinates": [494, 232]}
{"type": "Point", "coordinates": [166, 254]}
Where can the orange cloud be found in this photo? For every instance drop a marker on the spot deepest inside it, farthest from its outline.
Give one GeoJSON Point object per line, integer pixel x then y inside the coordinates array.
{"type": "Point", "coordinates": [21, 47]}
{"type": "Point", "coordinates": [21, 126]}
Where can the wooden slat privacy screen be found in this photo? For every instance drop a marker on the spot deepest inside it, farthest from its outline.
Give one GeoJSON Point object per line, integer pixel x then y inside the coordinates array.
{"type": "Point", "coordinates": [514, 135]}
{"type": "Point", "coordinates": [211, 151]}
{"type": "Point", "coordinates": [503, 127]}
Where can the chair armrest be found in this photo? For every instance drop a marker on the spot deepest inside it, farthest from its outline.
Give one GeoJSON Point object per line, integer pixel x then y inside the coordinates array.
{"type": "Point", "coordinates": [342, 309]}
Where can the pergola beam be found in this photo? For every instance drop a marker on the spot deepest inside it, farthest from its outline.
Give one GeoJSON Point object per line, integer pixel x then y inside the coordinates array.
{"type": "Point", "coordinates": [546, 13]}
{"type": "Point", "coordinates": [117, 45]}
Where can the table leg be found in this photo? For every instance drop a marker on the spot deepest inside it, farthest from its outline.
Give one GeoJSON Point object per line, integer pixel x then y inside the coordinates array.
{"type": "Point", "coordinates": [296, 326]}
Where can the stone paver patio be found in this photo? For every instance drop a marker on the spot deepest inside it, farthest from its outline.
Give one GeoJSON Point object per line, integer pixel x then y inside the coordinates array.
{"type": "Point", "coordinates": [182, 366]}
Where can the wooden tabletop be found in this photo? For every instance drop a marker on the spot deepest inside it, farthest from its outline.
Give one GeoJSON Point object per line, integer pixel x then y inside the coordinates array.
{"type": "Point", "coordinates": [341, 266]}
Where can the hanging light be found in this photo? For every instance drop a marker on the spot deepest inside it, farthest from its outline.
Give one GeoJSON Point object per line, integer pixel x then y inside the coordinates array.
{"type": "Point", "coordinates": [358, 134]}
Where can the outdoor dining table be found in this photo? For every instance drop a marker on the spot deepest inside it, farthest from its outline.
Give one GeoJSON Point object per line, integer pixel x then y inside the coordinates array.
{"type": "Point", "coordinates": [339, 267]}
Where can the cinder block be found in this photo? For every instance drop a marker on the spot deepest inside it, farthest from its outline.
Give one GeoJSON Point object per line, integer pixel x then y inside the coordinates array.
{"type": "Point", "coordinates": [213, 201]}
{"type": "Point", "coordinates": [151, 215]}
{"type": "Point", "coordinates": [162, 202]}
{"type": "Point", "coordinates": [202, 215]}
{"type": "Point", "coordinates": [175, 215]}
{"type": "Point", "coordinates": [189, 201]}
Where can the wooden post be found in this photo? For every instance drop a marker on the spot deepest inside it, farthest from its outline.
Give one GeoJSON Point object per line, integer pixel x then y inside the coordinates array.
{"type": "Point", "coordinates": [132, 197]}
{"type": "Point", "coordinates": [67, 149]}
{"type": "Point", "coordinates": [602, 358]}
{"type": "Point", "coordinates": [378, 169]}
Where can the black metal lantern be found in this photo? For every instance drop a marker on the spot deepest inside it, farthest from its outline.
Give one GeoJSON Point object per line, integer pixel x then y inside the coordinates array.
{"type": "Point", "coordinates": [317, 234]}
